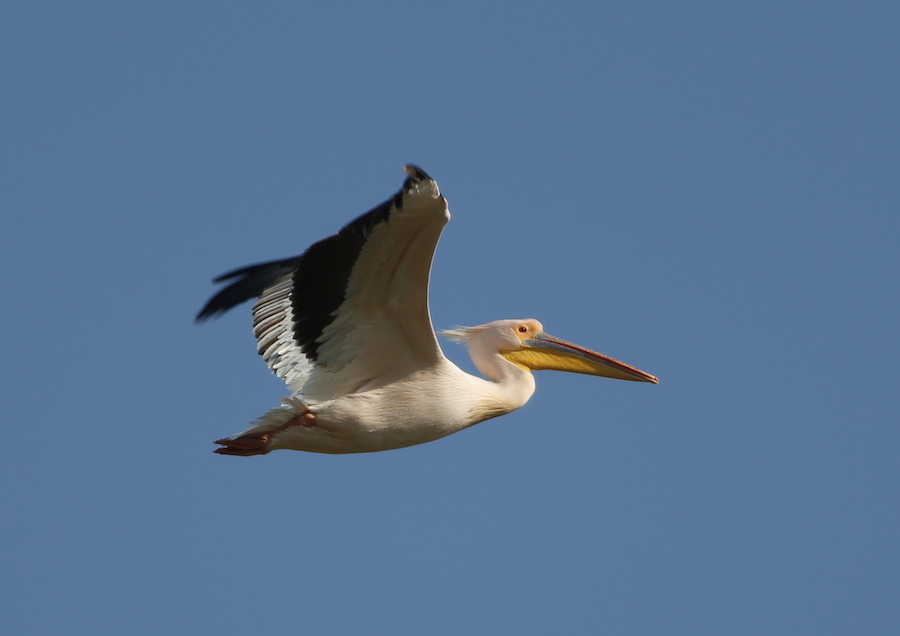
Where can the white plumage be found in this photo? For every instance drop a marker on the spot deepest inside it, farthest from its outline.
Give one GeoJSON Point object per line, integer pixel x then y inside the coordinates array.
{"type": "Point", "coordinates": [347, 326]}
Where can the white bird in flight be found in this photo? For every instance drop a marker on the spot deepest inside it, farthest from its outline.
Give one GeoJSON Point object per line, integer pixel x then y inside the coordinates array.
{"type": "Point", "coordinates": [347, 326]}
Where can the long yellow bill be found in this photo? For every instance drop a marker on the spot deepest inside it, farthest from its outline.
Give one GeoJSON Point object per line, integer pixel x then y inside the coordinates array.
{"type": "Point", "coordinates": [545, 352]}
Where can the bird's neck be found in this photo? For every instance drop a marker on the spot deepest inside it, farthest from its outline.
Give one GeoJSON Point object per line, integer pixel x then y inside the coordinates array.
{"type": "Point", "coordinates": [512, 385]}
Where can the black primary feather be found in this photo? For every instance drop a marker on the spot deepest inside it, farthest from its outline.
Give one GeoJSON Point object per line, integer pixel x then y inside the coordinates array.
{"type": "Point", "coordinates": [320, 274]}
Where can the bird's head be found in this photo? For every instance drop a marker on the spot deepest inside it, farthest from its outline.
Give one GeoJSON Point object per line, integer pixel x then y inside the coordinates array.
{"type": "Point", "coordinates": [524, 343]}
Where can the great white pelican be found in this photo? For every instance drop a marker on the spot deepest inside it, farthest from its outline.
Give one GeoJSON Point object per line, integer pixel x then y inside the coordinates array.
{"type": "Point", "coordinates": [346, 325]}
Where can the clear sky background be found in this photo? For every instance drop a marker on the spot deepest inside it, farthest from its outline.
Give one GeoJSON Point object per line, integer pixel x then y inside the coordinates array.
{"type": "Point", "coordinates": [708, 191]}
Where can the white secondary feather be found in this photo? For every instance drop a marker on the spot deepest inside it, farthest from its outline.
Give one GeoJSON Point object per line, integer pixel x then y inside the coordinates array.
{"type": "Point", "coordinates": [273, 326]}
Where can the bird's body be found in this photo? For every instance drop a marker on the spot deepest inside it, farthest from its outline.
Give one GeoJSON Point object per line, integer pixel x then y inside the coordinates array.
{"type": "Point", "coordinates": [428, 404]}
{"type": "Point", "coordinates": [347, 326]}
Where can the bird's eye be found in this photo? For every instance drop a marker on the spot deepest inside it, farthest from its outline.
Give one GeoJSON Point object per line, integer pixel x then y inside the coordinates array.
{"type": "Point", "coordinates": [523, 329]}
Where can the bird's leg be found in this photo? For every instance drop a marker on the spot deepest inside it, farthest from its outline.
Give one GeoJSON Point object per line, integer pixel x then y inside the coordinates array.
{"type": "Point", "coordinates": [257, 443]}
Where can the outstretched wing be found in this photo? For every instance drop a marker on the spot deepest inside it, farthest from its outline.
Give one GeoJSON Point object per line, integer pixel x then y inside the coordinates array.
{"type": "Point", "coordinates": [351, 313]}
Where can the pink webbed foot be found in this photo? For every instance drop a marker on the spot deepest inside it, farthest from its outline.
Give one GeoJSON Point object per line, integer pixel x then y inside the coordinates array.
{"type": "Point", "coordinates": [259, 443]}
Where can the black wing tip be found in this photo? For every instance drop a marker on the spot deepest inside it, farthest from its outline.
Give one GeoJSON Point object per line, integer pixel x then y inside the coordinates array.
{"type": "Point", "coordinates": [246, 283]}
{"type": "Point", "coordinates": [208, 313]}
{"type": "Point", "coordinates": [365, 223]}
{"type": "Point", "coordinates": [418, 182]}
{"type": "Point", "coordinates": [416, 173]}
{"type": "Point", "coordinates": [216, 306]}
{"type": "Point", "coordinates": [219, 303]}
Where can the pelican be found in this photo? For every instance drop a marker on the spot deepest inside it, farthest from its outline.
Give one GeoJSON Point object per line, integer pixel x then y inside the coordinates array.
{"type": "Point", "coordinates": [347, 326]}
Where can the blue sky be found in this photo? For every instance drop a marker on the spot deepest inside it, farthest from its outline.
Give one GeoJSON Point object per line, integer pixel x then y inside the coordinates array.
{"type": "Point", "coordinates": [707, 191]}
